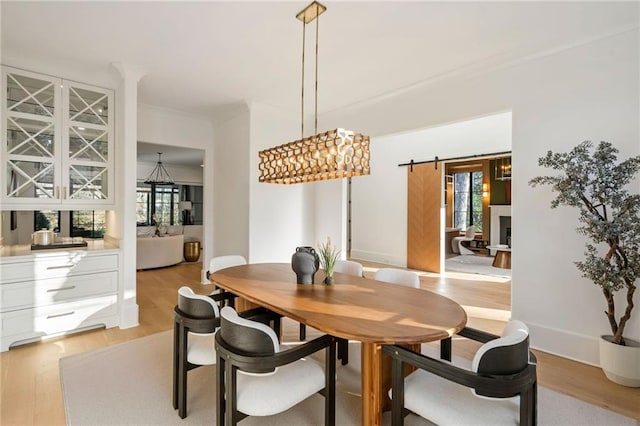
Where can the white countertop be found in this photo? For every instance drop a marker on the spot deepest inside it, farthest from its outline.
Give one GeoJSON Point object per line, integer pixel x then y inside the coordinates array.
{"type": "Point", "coordinates": [25, 249]}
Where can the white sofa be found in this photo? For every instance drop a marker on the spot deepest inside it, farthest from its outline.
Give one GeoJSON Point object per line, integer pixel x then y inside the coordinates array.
{"type": "Point", "coordinates": [156, 252]}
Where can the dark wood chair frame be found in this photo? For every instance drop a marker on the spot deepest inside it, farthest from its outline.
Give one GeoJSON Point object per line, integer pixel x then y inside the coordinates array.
{"type": "Point", "coordinates": [523, 383]}
{"type": "Point", "coordinates": [230, 360]}
{"type": "Point", "coordinates": [343, 345]}
{"type": "Point", "coordinates": [184, 323]}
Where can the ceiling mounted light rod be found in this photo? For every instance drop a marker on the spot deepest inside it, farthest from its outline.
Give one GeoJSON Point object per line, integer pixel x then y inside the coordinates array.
{"type": "Point", "coordinates": [335, 154]}
{"type": "Point", "coordinates": [307, 15]}
{"type": "Point", "coordinates": [159, 175]}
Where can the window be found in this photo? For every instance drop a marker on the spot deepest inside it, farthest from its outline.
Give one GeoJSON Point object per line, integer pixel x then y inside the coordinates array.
{"type": "Point", "coordinates": [87, 223]}
{"type": "Point", "coordinates": [467, 200]}
{"type": "Point", "coordinates": [46, 219]}
{"type": "Point", "coordinates": [78, 223]}
{"type": "Point", "coordinates": [162, 201]}
{"type": "Point", "coordinates": [166, 205]}
{"type": "Point", "coordinates": [193, 193]}
{"type": "Point", "coordinates": [143, 205]}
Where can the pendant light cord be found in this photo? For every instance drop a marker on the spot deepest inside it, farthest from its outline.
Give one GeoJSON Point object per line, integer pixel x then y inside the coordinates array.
{"type": "Point", "coordinates": [316, 90]}
{"type": "Point", "coordinates": [304, 33]}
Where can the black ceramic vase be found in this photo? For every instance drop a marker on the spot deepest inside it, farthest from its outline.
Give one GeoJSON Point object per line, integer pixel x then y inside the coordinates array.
{"type": "Point", "coordinates": [305, 263]}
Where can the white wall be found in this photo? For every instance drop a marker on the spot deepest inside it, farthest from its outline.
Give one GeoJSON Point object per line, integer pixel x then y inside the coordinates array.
{"type": "Point", "coordinates": [591, 92]}
{"type": "Point", "coordinates": [281, 216]}
{"type": "Point", "coordinates": [379, 201]}
{"type": "Point", "coordinates": [588, 91]}
{"type": "Point", "coordinates": [22, 234]}
{"type": "Point", "coordinates": [231, 184]}
{"type": "Point", "coordinates": [330, 210]}
{"type": "Point", "coordinates": [165, 127]}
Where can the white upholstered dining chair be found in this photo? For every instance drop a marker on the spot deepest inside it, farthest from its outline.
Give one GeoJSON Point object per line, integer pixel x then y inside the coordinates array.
{"type": "Point", "coordinates": [227, 261]}
{"type": "Point", "coordinates": [498, 387]}
{"type": "Point", "coordinates": [349, 267]}
{"type": "Point", "coordinates": [258, 377]}
{"type": "Point", "coordinates": [398, 276]}
{"type": "Point", "coordinates": [196, 321]}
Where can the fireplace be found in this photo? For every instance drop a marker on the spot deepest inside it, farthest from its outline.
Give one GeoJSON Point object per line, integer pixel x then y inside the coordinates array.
{"type": "Point", "coordinates": [500, 224]}
{"type": "Point", "coordinates": [505, 230]}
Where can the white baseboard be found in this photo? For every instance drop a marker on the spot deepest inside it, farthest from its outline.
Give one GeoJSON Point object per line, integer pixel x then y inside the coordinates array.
{"type": "Point", "coordinates": [385, 258]}
{"type": "Point", "coordinates": [562, 343]}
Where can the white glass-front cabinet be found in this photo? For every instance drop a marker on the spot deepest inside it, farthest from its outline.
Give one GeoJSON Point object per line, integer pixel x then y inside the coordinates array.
{"type": "Point", "coordinates": [57, 142]}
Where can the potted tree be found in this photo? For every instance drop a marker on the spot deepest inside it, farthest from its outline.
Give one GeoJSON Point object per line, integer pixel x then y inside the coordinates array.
{"type": "Point", "coordinates": [592, 180]}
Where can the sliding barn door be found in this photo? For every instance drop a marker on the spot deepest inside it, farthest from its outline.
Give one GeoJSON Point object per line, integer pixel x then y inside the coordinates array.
{"type": "Point", "coordinates": [423, 217]}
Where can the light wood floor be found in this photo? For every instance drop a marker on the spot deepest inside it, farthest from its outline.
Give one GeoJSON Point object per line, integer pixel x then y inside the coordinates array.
{"type": "Point", "coordinates": [31, 393]}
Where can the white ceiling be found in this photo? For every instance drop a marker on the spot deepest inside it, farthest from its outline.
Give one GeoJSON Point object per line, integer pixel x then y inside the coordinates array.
{"type": "Point", "coordinates": [171, 155]}
{"type": "Point", "coordinates": [203, 57]}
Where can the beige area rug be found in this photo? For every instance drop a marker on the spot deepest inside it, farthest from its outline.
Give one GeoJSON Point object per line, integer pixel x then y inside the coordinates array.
{"type": "Point", "coordinates": [130, 384]}
{"type": "Point", "coordinates": [472, 264]}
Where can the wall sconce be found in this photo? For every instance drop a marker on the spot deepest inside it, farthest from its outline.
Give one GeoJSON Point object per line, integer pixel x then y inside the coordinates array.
{"type": "Point", "coordinates": [485, 190]}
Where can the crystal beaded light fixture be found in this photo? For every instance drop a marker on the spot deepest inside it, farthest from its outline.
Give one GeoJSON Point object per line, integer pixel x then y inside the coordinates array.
{"type": "Point", "coordinates": [335, 154]}
{"type": "Point", "coordinates": [503, 168]}
{"type": "Point", "coordinates": [159, 175]}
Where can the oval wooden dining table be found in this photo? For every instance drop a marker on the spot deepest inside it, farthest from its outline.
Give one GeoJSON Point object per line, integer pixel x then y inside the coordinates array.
{"type": "Point", "coordinates": [372, 312]}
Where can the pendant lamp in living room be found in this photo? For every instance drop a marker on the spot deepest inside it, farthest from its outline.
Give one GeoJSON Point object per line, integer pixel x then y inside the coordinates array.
{"type": "Point", "coordinates": [159, 175]}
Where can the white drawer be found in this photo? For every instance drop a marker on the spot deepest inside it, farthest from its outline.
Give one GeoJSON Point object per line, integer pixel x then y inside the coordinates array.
{"type": "Point", "coordinates": [71, 263]}
{"type": "Point", "coordinates": [56, 290]}
{"type": "Point", "coordinates": [37, 322]}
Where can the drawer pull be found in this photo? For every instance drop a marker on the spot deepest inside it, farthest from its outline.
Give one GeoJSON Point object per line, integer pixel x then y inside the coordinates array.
{"type": "Point", "coordinates": [60, 315]}
{"type": "Point", "coordinates": [51, 290]}
{"type": "Point", "coordinates": [69, 266]}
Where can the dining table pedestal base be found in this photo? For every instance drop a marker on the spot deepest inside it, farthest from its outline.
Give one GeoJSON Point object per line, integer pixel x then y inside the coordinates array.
{"type": "Point", "coordinates": [376, 381]}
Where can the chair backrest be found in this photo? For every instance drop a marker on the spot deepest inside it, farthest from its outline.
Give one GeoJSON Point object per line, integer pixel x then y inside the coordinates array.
{"type": "Point", "coordinates": [348, 267]}
{"type": "Point", "coordinates": [247, 336]}
{"type": "Point", "coordinates": [470, 232]}
{"type": "Point", "coordinates": [198, 313]}
{"type": "Point", "coordinates": [196, 305]}
{"type": "Point", "coordinates": [398, 276]}
{"type": "Point", "coordinates": [221, 262]}
{"type": "Point", "coordinates": [506, 355]}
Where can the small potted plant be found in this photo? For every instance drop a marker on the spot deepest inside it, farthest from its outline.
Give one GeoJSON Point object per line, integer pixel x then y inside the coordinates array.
{"type": "Point", "coordinates": [592, 180]}
{"type": "Point", "coordinates": [328, 256]}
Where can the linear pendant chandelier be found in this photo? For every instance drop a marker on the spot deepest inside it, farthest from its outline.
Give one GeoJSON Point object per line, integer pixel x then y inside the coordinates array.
{"type": "Point", "coordinates": [334, 154]}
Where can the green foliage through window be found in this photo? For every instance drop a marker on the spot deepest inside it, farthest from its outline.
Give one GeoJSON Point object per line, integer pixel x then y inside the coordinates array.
{"type": "Point", "coordinates": [467, 200]}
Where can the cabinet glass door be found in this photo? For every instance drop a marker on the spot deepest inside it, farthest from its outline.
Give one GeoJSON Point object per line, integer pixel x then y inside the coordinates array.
{"type": "Point", "coordinates": [30, 136]}
{"type": "Point", "coordinates": [89, 135]}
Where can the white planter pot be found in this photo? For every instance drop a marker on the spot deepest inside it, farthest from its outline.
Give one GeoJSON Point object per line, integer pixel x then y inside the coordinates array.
{"type": "Point", "coordinates": [621, 364]}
